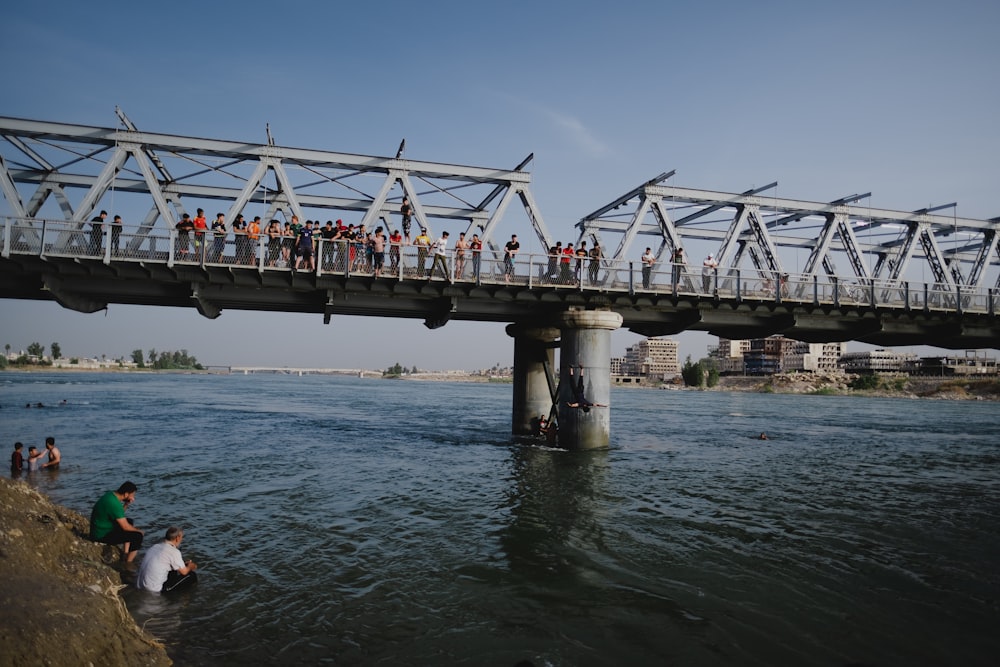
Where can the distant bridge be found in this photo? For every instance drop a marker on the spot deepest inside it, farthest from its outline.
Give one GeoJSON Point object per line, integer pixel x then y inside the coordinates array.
{"type": "Point", "coordinates": [285, 370]}
{"type": "Point", "coordinates": [911, 277]}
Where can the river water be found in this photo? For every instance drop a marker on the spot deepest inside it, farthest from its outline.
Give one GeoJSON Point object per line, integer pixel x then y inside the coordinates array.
{"type": "Point", "coordinates": [366, 522]}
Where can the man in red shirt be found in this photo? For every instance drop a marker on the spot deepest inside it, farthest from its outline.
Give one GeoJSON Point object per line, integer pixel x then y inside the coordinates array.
{"type": "Point", "coordinates": [395, 240]}
{"type": "Point", "coordinates": [564, 273]}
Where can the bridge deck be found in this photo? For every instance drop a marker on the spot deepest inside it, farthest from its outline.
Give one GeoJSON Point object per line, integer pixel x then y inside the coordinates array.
{"type": "Point", "coordinates": [65, 262]}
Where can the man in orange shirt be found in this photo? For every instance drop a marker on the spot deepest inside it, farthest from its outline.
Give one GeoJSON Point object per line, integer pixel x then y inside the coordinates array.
{"type": "Point", "coordinates": [253, 233]}
{"type": "Point", "coordinates": [200, 227]}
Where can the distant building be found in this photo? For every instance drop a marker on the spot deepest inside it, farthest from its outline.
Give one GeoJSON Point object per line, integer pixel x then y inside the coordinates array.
{"type": "Point", "coordinates": [774, 354]}
{"type": "Point", "coordinates": [728, 356]}
{"type": "Point", "coordinates": [971, 364]}
{"type": "Point", "coordinates": [879, 361]}
{"type": "Point", "coordinates": [617, 363]}
{"type": "Point", "coordinates": [767, 355]}
{"type": "Point", "coordinates": [653, 358]}
{"type": "Point", "coordinates": [816, 357]}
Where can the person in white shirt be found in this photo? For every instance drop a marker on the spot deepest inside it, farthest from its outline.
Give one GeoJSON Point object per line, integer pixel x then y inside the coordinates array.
{"type": "Point", "coordinates": [164, 570]}
{"type": "Point", "coordinates": [648, 260]}
{"type": "Point", "coordinates": [707, 269]}
{"type": "Point", "coordinates": [440, 256]}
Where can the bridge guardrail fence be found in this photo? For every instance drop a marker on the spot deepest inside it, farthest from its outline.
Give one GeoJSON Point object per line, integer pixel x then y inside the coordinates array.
{"type": "Point", "coordinates": [112, 243]}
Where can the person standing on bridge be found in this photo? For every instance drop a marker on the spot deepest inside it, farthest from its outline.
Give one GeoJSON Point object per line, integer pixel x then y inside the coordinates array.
{"type": "Point", "coordinates": [253, 237]}
{"type": "Point", "coordinates": [581, 255]}
{"type": "Point", "coordinates": [677, 261]}
{"type": "Point", "coordinates": [327, 234]}
{"type": "Point", "coordinates": [648, 260]}
{"type": "Point", "coordinates": [595, 262]}
{"type": "Point", "coordinates": [273, 233]}
{"type": "Point", "coordinates": [184, 228]}
{"type": "Point", "coordinates": [461, 245]}
{"type": "Point", "coordinates": [423, 243]}
{"type": "Point", "coordinates": [294, 228]}
{"type": "Point", "coordinates": [305, 247]}
{"type": "Point", "coordinates": [564, 267]}
{"type": "Point", "coordinates": [378, 251]}
{"type": "Point", "coordinates": [240, 240]}
{"type": "Point", "coordinates": [440, 256]}
{"type": "Point", "coordinates": [200, 227]}
{"type": "Point", "coordinates": [708, 268]}
{"type": "Point", "coordinates": [116, 235]}
{"type": "Point", "coordinates": [395, 241]}
{"type": "Point", "coordinates": [551, 272]}
{"type": "Point", "coordinates": [219, 237]}
{"type": "Point", "coordinates": [96, 232]}
{"type": "Point", "coordinates": [407, 212]}
{"type": "Point", "coordinates": [510, 251]}
{"type": "Point", "coordinates": [476, 247]}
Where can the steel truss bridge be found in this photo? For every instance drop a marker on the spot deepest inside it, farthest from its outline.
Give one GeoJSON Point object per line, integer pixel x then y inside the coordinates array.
{"type": "Point", "coordinates": [815, 271]}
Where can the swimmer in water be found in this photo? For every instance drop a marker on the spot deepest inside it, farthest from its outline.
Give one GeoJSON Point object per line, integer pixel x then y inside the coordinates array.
{"type": "Point", "coordinates": [33, 458]}
{"type": "Point", "coordinates": [762, 436]}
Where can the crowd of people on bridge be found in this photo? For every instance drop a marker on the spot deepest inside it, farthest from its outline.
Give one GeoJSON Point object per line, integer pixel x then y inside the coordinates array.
{"type": "Point", "coordinates": [338, 247]}
{"type": "Point", "coordinates": [566, 263]}
{"type": "Point", "coordinates": [335, 246]}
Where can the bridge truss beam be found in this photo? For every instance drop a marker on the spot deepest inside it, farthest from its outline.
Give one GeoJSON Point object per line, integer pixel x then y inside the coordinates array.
{"type": "Point", "coordinates": [781, 235]}
{"type": "Point", "coordinates": [91, 166]}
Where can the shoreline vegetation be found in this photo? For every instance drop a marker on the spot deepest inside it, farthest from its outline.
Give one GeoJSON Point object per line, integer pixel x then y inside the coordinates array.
{"type": "Point", "coordinates": [59, 596]}
{"type": "Point", "coordinates": [822, 383]}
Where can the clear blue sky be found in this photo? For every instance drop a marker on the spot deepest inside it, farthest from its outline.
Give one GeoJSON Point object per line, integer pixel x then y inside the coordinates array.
{"type": "Point", "coordinates": [828, 99]}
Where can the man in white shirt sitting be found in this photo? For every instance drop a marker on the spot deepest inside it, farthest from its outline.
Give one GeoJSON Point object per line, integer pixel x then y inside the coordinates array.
{"type": "Point", "coordinates": [164, 570]}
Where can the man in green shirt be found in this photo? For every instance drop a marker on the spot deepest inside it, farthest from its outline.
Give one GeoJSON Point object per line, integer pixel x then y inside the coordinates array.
{"type": "Point", "coordinates": [108, 524]}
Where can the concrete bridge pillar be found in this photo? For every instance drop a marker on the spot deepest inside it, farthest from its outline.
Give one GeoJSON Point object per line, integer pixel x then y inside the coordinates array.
{"type": "Point", "coordinates": [534, 359]}
{"type": "Point", "coordinates": [586, 349]}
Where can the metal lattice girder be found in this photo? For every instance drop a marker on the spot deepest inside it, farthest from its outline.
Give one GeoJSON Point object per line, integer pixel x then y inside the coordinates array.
{"type": "Point", "coordinates": [986, 248]}
{"type": "Point", "coordinates": [934, 258]}
{"type": "Point", "coordinates": [763, 240]}
{"type": "Point", "coordinates": [837, 224]}
{"type": "Point", "coordinates": [775, 228]}
{"type": "Point", "coordinates": [592, 224]}
{"type": "Point", "coordinates": [56, 158]}
{"type": "Point", "coordinates": [819, 251]}
{"type": "Point", "coordinates": [899, 263]}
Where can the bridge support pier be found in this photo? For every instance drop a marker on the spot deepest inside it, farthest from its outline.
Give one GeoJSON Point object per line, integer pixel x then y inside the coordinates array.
{"type": "Point", "coordinates": [534, 359]}
{"type": "Point", "coordinates": [586, 351]}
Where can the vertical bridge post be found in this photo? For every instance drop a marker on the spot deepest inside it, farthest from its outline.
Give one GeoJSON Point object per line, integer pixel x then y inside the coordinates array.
{"type": "Point", "coordinates": [533, 360]}
{"type": "Point", "coordinates": [586, 348]}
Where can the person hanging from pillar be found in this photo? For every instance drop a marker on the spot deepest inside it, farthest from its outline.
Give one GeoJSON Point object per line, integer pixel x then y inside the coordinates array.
{"type": "Point", "coordinates": [580, 399]}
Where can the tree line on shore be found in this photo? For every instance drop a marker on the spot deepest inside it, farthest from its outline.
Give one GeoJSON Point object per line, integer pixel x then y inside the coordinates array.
{"type": "Point", "coordinates": [34, 355]}
{"type": "Point", "coordinates": [396, 370]}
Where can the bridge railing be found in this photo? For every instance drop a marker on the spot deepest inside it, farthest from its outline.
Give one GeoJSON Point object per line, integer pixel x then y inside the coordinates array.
{"type": "Point", "coordinates": [111, 243]}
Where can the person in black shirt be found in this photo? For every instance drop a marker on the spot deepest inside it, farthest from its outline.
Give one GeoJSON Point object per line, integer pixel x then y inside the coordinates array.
{"type": "Point", "coordinates": [509, 252]}
{"type": "Point", "coordinates": [96, 232]}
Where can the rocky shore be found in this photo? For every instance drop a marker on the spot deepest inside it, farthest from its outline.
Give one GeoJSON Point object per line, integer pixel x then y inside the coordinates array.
{"type": "Point", "coordinates": [59, 596]}
{"type": "Point", "coordinates": [900, 386]}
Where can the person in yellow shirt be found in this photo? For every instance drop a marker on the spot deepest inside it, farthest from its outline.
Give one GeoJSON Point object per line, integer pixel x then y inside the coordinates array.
{"type": "Point", "coordinates": [423, 243]}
